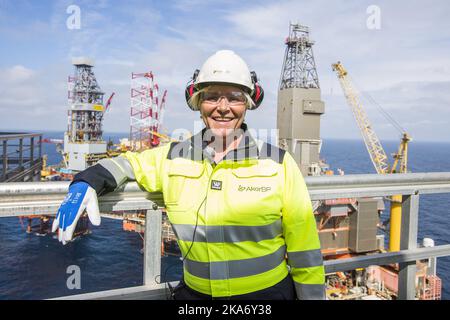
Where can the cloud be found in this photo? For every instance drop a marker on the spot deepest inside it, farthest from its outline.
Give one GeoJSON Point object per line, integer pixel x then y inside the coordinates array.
{"type": "Point", "coordinates": [29, 98]}
{"type": "Point", "coordinates": [18, 74]}
{"type": "Point", "coordinates": [17, 88]}
{"type": "Point", "coordinates": [385, 62]}
{"type": "Point", "coordinates": [420, 108]}
{"type": "Point", "coordinates": [404, 66]}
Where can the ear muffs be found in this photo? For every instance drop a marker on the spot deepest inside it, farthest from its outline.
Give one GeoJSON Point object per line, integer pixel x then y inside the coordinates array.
{"type": "Point", "coordinates": [257, 95]}
{"type": "Point", "coordinates": [190, 90]}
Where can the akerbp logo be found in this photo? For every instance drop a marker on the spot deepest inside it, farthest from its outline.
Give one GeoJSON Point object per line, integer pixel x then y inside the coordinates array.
{"type": "Point", "coordinates": [216, 184]}
{"type": "Point", "coordinates": [242, 188]}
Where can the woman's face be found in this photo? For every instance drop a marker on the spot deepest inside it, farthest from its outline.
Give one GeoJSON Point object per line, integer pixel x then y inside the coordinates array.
{"type": "Point", "coordinates": [223, 109]}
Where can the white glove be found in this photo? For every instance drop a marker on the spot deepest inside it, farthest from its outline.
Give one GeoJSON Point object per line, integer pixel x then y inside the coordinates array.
{"type": "Point", "coordinates": [81, 196]}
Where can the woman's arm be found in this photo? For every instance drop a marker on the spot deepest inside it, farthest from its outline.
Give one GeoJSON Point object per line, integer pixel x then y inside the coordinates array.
{"type": "Point", "coordinates": [106, 176]}
{"type": "Point", "coordinates": [109, 174]}
{"type": "Point", "coordinates": [300, 232]}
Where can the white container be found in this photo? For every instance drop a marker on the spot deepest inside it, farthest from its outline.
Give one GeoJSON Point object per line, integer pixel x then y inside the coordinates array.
{"type": "Point", "coordinates": [428, 242]}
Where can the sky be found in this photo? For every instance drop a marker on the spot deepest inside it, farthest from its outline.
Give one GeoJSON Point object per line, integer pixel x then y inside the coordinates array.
{"type": "Point", "coordinates": [397, 52]}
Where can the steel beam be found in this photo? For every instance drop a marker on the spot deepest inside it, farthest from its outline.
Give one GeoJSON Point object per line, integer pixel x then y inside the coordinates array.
{"type": "Point", "coordinates": [14, 135]}
{"type": "Point", "coordinates": [40, 147]}
{"type": "Point", "coordinates": [5, 159]}
{"type": "Point", "coordinates": [45, 197]}
{"type": "Point", "coordinates": [374, 185]}
{"type": "Point", "coordinates": [31, 150]}
{"type": "Point", "coordinates": [408, 241]}
{"type": "Point", "coordinates": [382, 259]}
{"type": "Point", "coordinates": [21, 153]}
{"type": "Point", "coordinates": [28, 198]}
{"type": "Point", "coordinates": [152, 247]}
{"type": "Point", "coordinates": [157, 292]}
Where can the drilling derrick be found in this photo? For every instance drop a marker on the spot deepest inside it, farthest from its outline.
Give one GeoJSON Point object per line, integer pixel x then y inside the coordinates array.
{"type": "Point", "coordinates": [146, 112]}
{"type": "Point", "coordinates": [299, 102]}
{"type": "Point", "coordinates": [83, 142]}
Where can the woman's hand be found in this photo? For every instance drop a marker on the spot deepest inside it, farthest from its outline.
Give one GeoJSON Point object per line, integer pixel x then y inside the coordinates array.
{"type": "Point", "coordinates": [81, 196]}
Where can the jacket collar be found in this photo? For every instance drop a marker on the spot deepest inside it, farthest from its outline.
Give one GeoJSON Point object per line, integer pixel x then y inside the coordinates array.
{"type": "Point", "coordinates": [247, 148]}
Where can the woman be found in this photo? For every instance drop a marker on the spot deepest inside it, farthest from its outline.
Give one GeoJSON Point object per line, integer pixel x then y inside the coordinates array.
{"type": "Point", "coordinates": [238, 206]}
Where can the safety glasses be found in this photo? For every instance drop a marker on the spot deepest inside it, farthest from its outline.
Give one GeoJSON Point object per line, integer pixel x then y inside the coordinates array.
{"type": "Point", "coordinates": [234, 98]}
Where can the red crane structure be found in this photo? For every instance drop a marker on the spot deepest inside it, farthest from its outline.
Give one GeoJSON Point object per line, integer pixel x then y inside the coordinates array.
{"type": "Point", "coordinates": [146, 113]}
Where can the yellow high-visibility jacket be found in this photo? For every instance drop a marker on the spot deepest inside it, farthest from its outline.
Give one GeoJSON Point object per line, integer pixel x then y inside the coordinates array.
{"type": "Point", "coordinates": [245, 215]}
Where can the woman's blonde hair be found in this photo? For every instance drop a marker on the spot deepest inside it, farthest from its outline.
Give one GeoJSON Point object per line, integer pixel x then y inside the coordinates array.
{"type": "Point", "coordinates": [196, 99]}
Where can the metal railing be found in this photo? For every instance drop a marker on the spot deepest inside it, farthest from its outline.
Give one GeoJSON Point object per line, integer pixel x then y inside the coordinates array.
{"type": "Point", "coordinates": [44, 198]}
{"type": "Point", "coordinates": [20, 156]}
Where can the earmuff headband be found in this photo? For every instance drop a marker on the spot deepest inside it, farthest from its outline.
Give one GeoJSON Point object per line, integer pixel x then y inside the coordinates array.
{"type": "Point", "coordinates": [256, 95]}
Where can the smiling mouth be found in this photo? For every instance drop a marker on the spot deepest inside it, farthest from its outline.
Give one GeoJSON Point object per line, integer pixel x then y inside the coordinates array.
{"type": "Point", "coordinates": [223, 119]}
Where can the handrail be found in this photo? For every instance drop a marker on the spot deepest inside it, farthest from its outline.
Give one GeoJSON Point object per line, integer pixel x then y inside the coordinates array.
{"type": "Point", "coordinates": [21, 198]}
{"type": "Point", "coordinates": [44, 198]}
{"type": "Point", "coordinates": [16, 135]}
{"type": "Point", "coordinates": [386, 258]}
{"type": "Point", "coordinates": [160, 291]}
{"type": "Point", "coordinates": [20, 162]}
{"type": "Point", "coordinates": [375, 185]}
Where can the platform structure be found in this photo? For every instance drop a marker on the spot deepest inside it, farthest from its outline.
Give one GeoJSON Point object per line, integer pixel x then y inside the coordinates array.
{"type": "Point", "coordinates": [83, 142]}
{"type": "Point", "coordinates": [146, 111]}
{"type": "Point", "coordinates": [20, 156]}
{"type": "Point", "coordinates": [299, 102]}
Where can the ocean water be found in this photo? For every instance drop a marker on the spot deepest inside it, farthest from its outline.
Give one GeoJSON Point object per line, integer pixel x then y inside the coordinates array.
{"type": "Point", "coordinates": [35, 267]}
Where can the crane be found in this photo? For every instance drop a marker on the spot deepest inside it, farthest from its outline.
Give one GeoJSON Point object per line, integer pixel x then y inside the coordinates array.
{"type": "Point", "coordinates": [108, 103]}
{"type": "Point", "coordinates": [375, 149]}
{"type": "Point", "coordinates": [373, 144]}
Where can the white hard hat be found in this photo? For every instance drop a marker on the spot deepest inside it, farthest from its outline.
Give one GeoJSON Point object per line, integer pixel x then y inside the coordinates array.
{"type": "Point", "coordinates": [225, 66]}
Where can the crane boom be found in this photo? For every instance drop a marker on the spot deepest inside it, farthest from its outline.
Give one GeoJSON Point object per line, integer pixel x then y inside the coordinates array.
{"type": "Point", "coordinates": [373, 144]}
{"type": "Point", "coordinates": [376, 152]}
{"type": "Point", "coordinates": [109, 101]}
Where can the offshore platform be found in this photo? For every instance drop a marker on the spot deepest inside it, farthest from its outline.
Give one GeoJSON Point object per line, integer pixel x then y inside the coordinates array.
{"type": "Point", "coordinates": [347, 227]}
{"type": "Point", "coordinates": [299, 102]}
{"type": "Point", "coordinates": [83, 142]}
{"type": "Point", "coordinates": [82, 145]}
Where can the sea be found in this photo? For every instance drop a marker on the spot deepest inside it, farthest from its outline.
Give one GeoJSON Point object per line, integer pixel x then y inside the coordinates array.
{"type": "Point", "coordinates": [39, 267]}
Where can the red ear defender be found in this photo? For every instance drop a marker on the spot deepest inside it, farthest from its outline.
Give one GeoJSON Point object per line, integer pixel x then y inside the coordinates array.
{"type": "Point", "coordinates": [190, 90]}
{"type": "Point", "coordinates": [257, 94]}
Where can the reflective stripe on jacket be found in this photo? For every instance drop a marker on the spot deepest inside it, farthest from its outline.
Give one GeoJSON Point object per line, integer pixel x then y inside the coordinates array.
{"type": "Point", "coordinates": [245, 215]}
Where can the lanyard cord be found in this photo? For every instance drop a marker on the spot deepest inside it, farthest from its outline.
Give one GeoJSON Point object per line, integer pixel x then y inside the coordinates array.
{"type": "Point", "coordinates": [192, 242]}
{"type": "Point", "coordinates": [185, 256]}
